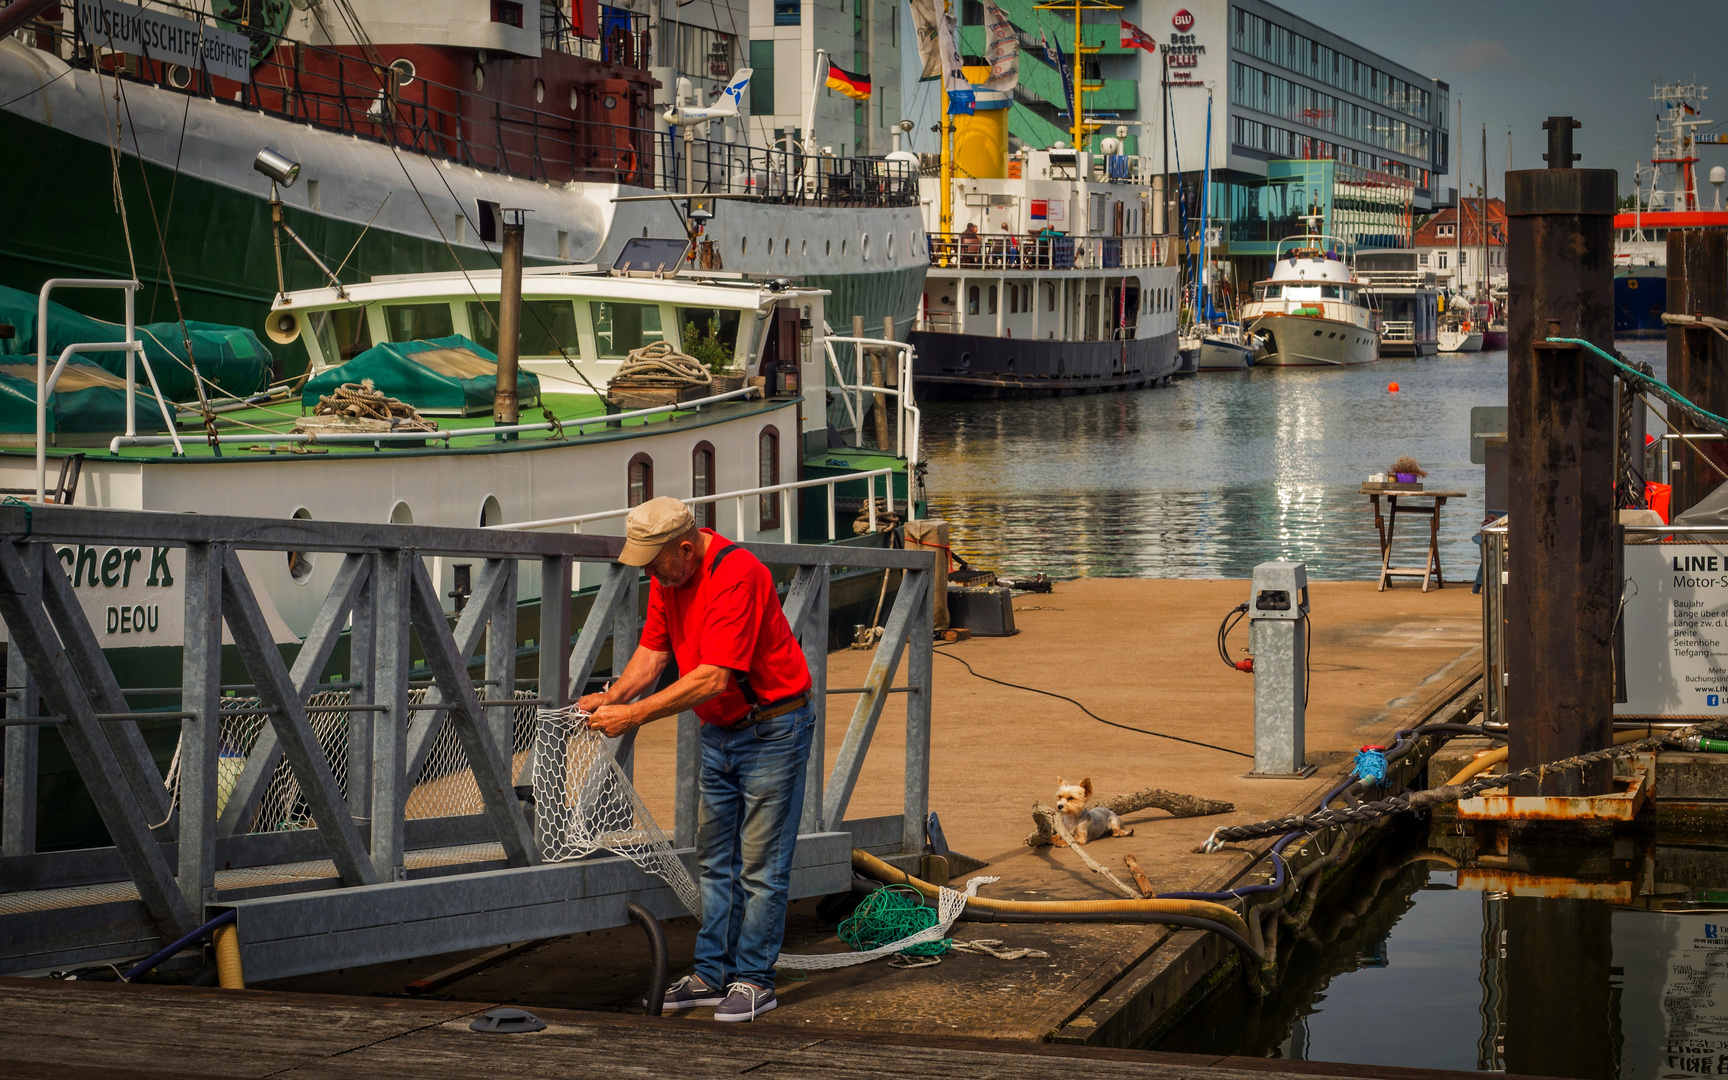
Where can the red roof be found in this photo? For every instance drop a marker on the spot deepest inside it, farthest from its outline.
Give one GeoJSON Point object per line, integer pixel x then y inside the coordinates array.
{"type": "Point", "coordinates": [1428, 234]}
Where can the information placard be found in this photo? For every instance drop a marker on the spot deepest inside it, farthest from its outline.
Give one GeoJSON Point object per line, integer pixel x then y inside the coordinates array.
{"type": "Point", "coordinates": [169, 39]}
{"type": "Point", "coordinates": [1676, 630]}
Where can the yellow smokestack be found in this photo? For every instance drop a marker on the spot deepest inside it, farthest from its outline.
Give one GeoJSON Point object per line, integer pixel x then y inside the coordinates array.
{"type": "Point", "coordinates": [981, 140]}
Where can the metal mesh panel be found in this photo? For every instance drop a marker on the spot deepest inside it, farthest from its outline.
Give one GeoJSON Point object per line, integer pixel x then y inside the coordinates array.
{"type": "Point", "coordinates": [444, 788]}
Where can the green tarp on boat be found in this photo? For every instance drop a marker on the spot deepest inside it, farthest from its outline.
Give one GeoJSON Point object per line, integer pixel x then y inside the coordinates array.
{"type": "Point", "coordinates": [232, 358]}
{"type": "Point", "coordinates": [447, 375]}
{"type": "Point", "coordinates": [87, 399]}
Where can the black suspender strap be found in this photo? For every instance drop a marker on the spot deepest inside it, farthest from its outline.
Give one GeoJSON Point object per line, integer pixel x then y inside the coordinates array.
{"type": "Point", "coordinates": [742, 678]}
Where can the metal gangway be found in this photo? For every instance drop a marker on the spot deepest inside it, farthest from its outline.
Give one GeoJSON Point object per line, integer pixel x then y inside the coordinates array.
{"type": "Point", "coordinates": [378, 816]}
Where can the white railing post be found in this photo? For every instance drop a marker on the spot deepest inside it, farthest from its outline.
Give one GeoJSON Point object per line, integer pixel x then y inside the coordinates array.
{"type": "Point", "coordinates": [740, 506]}
{"type": "Point", "coordinates": [830, 510]}
{"type": "Point", "coordinates": [786, 516]}
{"type": "Point", "coordinates": [870, 499]}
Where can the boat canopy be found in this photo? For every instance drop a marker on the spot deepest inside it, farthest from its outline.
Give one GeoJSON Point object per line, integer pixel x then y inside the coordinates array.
{"type": "Point", "coordinates": [88, 399]}
{"type": "Point", "coordinates": [438, 376]}
{"type": "Point", "coordinates": [232, 358]}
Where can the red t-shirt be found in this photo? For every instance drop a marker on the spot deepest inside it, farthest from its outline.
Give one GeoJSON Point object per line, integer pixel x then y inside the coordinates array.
{"type": "Point", "coordinates": [728, 615]}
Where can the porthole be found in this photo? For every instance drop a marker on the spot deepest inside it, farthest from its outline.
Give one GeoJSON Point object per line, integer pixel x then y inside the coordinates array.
{"type": "Point", "coordinates": [539, 91]}
{"type": "Point", "coordinates": [404, 69]}
{"type": "Point", "coordinates": [828, 247]}
{"type": "Point", "coordinates": [609, 103]}
{"type": "Point", "coordinates": [804, 248]}
{"type": "Point", "coordinates": [179, 77]}
{"type": "Point", "coordinates": [743, 245]}
{"type": "Point", "coordinates": [842, 246]}
{"type": "Point", "coordinates": [575, 100]}
{"type": "Point", "coordinates": [479, 78]}
{"type": "Point", "coordinates": [401, 514]}
{"type": "Point", "coordinates": [300, 562]}
{"type": "Point", "coordinates": [787, 250]}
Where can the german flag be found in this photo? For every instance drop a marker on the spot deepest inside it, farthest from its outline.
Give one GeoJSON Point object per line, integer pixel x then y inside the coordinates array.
{"type": "Point", "coordinates": [853, 86]}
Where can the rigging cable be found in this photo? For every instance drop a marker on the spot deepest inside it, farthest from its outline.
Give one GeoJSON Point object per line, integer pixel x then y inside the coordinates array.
{"type": "Point", "coordinates": [1089, 712]}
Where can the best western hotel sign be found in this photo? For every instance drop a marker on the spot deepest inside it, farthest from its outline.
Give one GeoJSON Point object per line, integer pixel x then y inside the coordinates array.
{"type": "Point", "coordinates": [1183, 51]}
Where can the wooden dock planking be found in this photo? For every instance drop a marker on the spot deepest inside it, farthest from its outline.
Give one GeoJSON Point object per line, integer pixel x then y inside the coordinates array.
{"type": "Point", "coordinates": [106, 1031]}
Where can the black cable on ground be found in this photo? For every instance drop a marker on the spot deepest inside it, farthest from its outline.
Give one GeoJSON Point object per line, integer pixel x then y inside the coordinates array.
{"type": "Point", "coordinates": [641, 916]}
{"type": "Point", "coordinates": [1089, 712]}
{"type": "Point", "coordinates": [1231, 618]}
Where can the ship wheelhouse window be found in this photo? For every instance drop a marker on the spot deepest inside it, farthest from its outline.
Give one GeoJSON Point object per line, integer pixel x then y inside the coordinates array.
{"type": "Point", "coordinates": [418, 322]}
{"type": "Point", "coordinates": [1330, 292]}
{"type": "Point", "coordinates": [548, 328]}
{"type": "Point", "coordinates": [618, 328]}
{"type": "Point", "coordinates": [711, 334]}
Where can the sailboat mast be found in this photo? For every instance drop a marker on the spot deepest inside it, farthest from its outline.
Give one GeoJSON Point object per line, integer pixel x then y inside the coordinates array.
{"type": "Point", "coordinates": [1458, 199]}
{"type": "Point", "coordinates": [1482, 226]}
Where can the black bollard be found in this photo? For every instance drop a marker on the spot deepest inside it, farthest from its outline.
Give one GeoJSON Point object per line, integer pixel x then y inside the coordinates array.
{"type": "Point", "coordinates": [1697, 355]}
{"type": "Point", "coordinates": [1563, 576]}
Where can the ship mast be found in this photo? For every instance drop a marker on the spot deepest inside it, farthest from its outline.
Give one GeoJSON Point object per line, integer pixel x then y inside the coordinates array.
{"type": "Point", "coordinates": [1081, 128]}
{"type": "Point", "coordinates": [945, 145]}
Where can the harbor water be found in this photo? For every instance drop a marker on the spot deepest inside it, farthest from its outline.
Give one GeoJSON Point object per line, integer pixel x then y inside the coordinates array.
{"type": "Point", "coordinates": [1615, 974]}
{"type": "Point", "coordinates": [1217, 472]}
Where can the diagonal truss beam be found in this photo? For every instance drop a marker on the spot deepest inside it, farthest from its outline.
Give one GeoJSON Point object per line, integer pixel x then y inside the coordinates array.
{"type": "Point", "coordinates": [618, 586]}
{"type": "Point", "coordinates": [254, 780]}
{"type": "Point", "coordinates": [470, 631]}
{"type": "Point", "coordinates": [449, 664]}
{"type": "Point", "coordinates": [85, 655]}
{"type": "Point", "coordinates": [287, 710]}
{"type": "Point", "coordinates": [907, 602]}
{"type": "Point", "coordinates": [40, 641]}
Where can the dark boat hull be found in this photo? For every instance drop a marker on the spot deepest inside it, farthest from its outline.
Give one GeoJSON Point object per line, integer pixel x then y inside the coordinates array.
{"type": "Point", "coordinates": [971, 366]}
{"type": "Point", "coordinates": [1640, 298]}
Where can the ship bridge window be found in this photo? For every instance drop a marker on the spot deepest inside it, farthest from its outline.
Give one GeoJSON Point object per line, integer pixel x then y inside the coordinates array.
{"type": "Point", "coordinates": [548, 328]}
{"type": "Point", "coordinates": [1330, 292]}
{"type": "Point", "coordinates": [618, 328]}
{"type": "Point", "coordinates": [417, 322]}
{"type": "Point", "coordinates": [342, 334]}
{"type": "Point", "coordinates": [709, 334]}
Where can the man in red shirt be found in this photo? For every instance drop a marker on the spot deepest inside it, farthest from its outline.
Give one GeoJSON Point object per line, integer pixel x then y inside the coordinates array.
{"type": "Point", "coordinates": [713, 607]}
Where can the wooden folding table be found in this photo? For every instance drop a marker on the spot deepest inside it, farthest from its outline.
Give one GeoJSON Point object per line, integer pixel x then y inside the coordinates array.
{"type": "Point", "coordinates": [1385, 523]}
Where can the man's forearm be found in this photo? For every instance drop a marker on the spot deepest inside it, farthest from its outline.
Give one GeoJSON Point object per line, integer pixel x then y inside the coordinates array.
{"type": "Point", "coordinates": [638, 677]}
{"type": "Point", "coordinates": [703, 684]}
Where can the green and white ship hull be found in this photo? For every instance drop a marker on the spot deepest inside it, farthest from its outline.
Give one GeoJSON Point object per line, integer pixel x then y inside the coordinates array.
{"type": "Point", "coordinates": [196, 214]}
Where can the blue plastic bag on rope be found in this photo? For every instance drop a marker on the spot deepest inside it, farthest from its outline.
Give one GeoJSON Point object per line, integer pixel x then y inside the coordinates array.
{"type": "Point", "coordinates": [230, 357]}
{"type": "Point", "coordinates": [1371, 764]}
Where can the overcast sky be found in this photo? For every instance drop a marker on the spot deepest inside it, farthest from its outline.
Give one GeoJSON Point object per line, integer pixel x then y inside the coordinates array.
{"type": "Point", "coordinates": [1515, 62]}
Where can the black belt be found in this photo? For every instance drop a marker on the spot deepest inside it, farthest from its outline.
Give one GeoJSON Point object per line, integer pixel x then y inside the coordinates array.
{"type": "Point", "coordinates": [759, 713]}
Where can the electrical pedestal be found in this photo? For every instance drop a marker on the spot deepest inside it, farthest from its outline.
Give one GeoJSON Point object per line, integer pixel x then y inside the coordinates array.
{"type": "Point", "coordinates": [1278, 638]}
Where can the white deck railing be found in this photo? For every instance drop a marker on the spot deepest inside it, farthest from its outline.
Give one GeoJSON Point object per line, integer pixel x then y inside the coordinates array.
{"type": "Point", "coordinates": [788, 522]}
{"type": "Point", "coordinates": [908, 427]}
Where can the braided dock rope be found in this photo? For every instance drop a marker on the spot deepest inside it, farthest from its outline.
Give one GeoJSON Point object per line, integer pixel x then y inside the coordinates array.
{"type": "Point", "coordinates": [1414, 801]}
{"type": "Point", "coordinates": [659, 364]}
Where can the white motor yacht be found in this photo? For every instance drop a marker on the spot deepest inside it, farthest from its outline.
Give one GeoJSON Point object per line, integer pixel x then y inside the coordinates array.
{"type": "Point", "coordinates": [1311, 312]}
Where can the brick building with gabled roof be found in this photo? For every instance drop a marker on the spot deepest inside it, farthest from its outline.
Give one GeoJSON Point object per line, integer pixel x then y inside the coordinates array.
{"type": "Point", "coordinates": [1457, 259]}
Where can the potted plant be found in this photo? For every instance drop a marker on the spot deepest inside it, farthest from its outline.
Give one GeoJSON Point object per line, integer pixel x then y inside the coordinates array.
{"type": "Point", "coordinates": [705, 345]}
{"type": "Point", "coordinates": [1406, 471]}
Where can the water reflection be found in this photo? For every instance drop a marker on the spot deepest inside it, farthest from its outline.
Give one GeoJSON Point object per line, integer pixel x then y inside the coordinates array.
{"type": "Point", "coordinates": [1213, 474]}
{"type": "Point", "coordinates": [1415, 963]}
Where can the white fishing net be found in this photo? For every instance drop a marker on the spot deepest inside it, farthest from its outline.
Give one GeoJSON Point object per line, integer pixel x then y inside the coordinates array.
{"type": "Point", "coordinates": [584, 803]}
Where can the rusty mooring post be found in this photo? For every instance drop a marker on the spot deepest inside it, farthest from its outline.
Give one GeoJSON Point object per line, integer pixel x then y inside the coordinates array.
{"type": "Point", "coordinates": [1697, 355]}
{"type": "Point", "coordinates": [1563, 577]}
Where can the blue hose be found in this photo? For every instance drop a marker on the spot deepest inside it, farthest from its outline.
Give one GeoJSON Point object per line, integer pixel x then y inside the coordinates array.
{"type": "Point", "coordinates": [153, 959]}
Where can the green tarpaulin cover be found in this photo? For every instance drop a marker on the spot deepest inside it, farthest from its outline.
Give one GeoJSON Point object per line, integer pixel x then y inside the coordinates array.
{"type": "Point", "coordinates": [451, 375]}
{"type": "Point", "coordinates": [234, 359]}
{"type": "Point", "coordinates": [87, 398]}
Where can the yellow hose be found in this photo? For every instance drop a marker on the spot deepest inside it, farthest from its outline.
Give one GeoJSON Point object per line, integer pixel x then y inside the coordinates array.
{"type": "Point", "coordinates": [1483, 762]}
{"type": "Point", "coordinates": [228, 958]}
{"type": "Point", "coordinates": [869, 864]}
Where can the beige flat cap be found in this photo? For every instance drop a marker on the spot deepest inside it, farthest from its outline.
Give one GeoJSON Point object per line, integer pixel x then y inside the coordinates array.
{"type": "Point", "coordinates": [649, 526]}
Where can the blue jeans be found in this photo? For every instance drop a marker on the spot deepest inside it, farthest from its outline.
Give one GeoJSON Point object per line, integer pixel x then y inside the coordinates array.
{"type": "Point", "coordinates": [752, 788]}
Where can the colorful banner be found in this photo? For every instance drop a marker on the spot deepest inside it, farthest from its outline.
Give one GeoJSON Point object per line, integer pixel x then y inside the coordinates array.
{"type": "Point", "coordinates": [960, 96]}
{"type": "Point", "coordinates": [1002, 50]}
{"type": "Point", "coordinates": [1053, 53]}
{"type": "Point", "coordinates": [853, 86]}
{"type": "Point", "coordinates": [1135, 38]}
{"type": "Point", "coordinates": [924, 30]}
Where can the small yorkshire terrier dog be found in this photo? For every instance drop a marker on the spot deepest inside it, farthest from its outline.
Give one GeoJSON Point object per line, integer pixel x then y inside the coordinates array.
{"type": "Point", "coordinates": [1084, 824]}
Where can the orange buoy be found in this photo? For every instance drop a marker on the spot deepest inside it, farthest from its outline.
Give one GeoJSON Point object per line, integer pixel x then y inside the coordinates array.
{"type": "Point", "coordinates": [1392, 388]}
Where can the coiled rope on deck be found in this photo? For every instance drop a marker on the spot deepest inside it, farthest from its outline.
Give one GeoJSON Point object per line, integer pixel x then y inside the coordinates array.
{"type": "Point", "coordinates": [659, 364]}
{"type": "Point", "coordinates": [364, 401]}
{"type": "Point", "coordinates": [1414, 801]}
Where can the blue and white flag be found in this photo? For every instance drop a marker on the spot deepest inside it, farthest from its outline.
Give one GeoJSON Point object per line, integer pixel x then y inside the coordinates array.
{"type": "Point", "coordinates": [1053, 53]}
{"type": "Point", "coordinates": [954, 82]}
